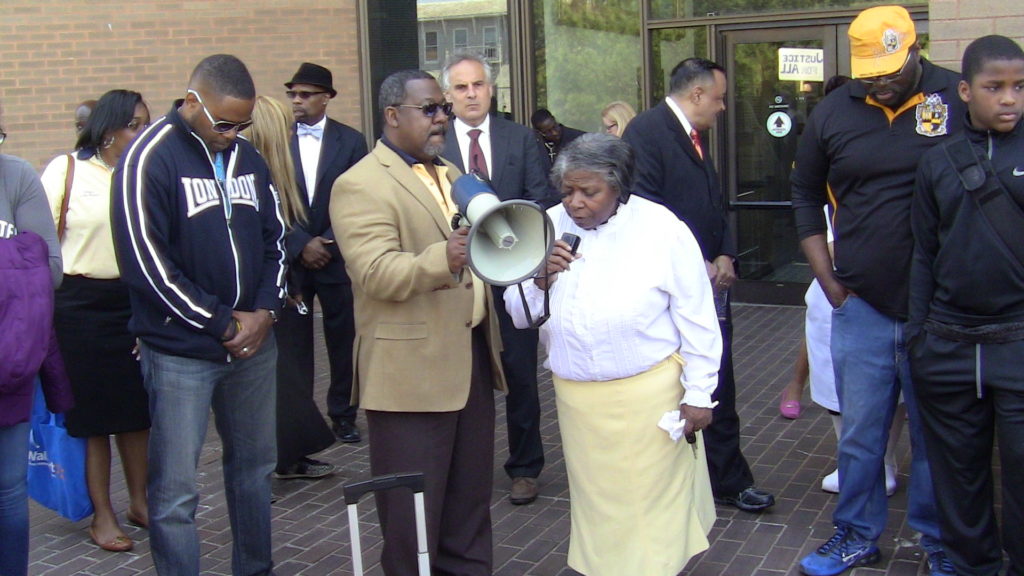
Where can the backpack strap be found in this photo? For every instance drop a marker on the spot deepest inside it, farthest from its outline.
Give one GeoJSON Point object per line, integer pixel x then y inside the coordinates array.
{"type": "Point", "coordinates": [997, 207]}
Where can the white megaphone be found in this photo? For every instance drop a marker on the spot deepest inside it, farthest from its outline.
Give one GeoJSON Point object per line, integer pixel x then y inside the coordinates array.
{"type": "Point", "coordinates": [508, 241]}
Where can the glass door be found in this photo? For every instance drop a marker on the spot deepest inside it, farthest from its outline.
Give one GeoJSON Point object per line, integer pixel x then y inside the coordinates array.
{"type": "Point", "coordinates": [776, 76]}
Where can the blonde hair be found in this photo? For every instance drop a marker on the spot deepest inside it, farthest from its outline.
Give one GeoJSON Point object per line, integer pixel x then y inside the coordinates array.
{"type": "Point", "coordinates": [270, 133]}
{"type": "Point", "coordinates": [620, 112]}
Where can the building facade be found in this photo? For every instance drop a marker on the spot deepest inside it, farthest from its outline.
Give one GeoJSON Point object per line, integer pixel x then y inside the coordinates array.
{"type": "Point", "coordinates": [570, 56]}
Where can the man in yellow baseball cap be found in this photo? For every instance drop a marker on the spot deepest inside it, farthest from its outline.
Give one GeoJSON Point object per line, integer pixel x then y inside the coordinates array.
{"type": "Point", "coordinates": [864, 142]}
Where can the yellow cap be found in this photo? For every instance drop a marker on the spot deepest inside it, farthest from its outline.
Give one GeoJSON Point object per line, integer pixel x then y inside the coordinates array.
{"type": "Point", "coordinates": [880, 38]}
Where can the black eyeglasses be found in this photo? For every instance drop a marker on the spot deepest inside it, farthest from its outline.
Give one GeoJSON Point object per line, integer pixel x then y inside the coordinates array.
{"type": "Point", "coordinates": [3, 136]}
{"type": "Point", "coordinates": [302, 94]}
{"type": "Point", "coordinates": [220, 126]}
{"type": "Point", "coordinates": [430, 110]}
{"type": "Point", "coordinates": [889, 78]}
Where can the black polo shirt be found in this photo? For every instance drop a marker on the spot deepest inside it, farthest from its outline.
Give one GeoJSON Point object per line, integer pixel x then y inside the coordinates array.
{"type": "Point", "coordinates": [868, 156]}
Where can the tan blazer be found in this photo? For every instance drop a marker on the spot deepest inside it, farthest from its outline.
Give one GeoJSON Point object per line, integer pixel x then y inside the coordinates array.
{"type": "Point", "coordinates": [413, 348]}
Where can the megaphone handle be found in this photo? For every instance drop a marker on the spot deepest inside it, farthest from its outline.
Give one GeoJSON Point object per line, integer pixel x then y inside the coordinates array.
{"type": "Point", "coordinates": [456, 221]}
{"type": "Point", "coordinates": [547, 304]}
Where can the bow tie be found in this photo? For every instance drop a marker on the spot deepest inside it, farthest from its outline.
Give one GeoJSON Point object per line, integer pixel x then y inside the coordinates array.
{"type": "Point", "coordinates": [314, 131]}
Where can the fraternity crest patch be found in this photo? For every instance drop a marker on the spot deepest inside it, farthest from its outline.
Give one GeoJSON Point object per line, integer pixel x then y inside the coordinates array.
{"type": "Point", "coordinates": [932, 116]}
{"type": "Point", "coordinates": [890, 41]}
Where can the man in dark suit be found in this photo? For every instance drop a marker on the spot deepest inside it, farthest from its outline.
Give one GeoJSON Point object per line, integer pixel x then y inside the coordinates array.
{"type": "Point", "coordinates": [673, 167]}
{"type": "Point", "coordinates": [509, 156]}
{"type": "Point", "coordinates": [322, 149]}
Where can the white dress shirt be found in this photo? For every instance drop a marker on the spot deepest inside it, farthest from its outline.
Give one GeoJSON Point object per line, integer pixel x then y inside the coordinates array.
{"type": "Point", "coordinates": [462, 133]}
{"type": "Point", "coordinates": [638, 293]}
{"type": "Point", "coordinates": [309, 153]}
{"type": "Point", "coordinates": [687, 127]}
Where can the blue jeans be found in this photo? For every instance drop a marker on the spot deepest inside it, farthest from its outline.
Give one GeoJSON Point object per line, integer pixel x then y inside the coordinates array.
{"type": "Point", "coordinates": [872, 368]}
{"type": "Point", "coordinates": [242, 396]}
{"type": "Point", "coordinates": [14, 499]}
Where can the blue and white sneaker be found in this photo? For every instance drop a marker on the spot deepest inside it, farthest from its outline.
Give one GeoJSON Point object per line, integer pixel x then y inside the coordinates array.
{"type": "Point", "coordinates": [939, 564]}
{"type": "Point", "coordinates": [843, 550]}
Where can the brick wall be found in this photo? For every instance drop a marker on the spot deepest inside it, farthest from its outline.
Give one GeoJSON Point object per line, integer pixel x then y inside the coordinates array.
{"type": "Point", "coordinates": [953, 24]}
{"type": "Point", "coordinates": [56, 53]}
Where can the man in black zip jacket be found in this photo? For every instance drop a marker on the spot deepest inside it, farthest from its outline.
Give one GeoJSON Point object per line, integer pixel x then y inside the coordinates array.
{"type": "Point", "coordinates": [199, 239]}
{"type": "Point", "coordinates": [967, 315]}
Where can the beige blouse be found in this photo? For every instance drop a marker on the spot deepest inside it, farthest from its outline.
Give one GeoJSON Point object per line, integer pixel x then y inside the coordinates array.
{"type": "Point", "coordinates": [88, 244]}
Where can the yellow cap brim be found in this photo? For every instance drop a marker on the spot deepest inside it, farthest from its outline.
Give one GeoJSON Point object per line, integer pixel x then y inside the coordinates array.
{"type": "Point", "coordinates": [879, 65]}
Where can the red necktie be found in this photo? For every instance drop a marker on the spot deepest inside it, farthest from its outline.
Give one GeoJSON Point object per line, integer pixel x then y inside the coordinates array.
{"type": "Point", "coordinates": [477, 161]}
{"type": "Point", "coordinates": [695, 137]}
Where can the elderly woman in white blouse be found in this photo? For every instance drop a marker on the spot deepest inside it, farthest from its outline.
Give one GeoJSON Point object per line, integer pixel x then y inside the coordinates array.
{"type": "Point", "coordinates": [632, 335]}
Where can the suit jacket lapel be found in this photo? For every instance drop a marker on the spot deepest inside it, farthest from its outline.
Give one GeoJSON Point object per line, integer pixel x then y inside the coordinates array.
{"type": "Point", "coordinates": [300, 178]}
{"type": "Point", "coordinates": [499, 150]}
{"type": "Point", "coordinates": [452, 152]}
{"type": "Point", "coordinates": [680, 135]}
{"type": "Point", "coordinates": [407, 179]}
{"type": "Point", "coordinates": [330, 146]}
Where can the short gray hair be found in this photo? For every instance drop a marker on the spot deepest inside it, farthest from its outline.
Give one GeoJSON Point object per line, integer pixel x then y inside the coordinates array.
{"type": "Point", "coordinates": [392, 90]}
{"type": "Point", "coordinates": [462, 56]}
{"type": "Point", "coordinates": [610, 157]}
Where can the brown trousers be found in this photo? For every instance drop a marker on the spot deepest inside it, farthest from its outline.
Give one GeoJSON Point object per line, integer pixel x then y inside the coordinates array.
{"type": "Point", "coordinates": [455, 451]}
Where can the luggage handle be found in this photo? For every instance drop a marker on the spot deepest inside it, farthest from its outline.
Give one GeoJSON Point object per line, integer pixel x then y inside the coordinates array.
{"type": "Point", "coordinates": [411, 480]}
{"type": "Point", "coordinates": [353, 492]}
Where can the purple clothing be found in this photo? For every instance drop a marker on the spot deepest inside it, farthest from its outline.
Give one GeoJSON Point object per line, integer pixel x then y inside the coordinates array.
{"type": "Point", "coordinates": [28, 344]}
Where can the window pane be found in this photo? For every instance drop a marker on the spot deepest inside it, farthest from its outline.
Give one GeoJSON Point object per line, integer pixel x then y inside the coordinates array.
{"type": "Point", "coordinates": [491, 43]}
{"type": "Point", "coordinates": [430, 47]}
{"type": "Point", "coordinates": [480, 26]}
{"type": "Point", "coordinates": [670, 47]}
{"type": "Point", "coordinates": [587, 55]}
{"type": "Point", "coordinates": [684, 9]}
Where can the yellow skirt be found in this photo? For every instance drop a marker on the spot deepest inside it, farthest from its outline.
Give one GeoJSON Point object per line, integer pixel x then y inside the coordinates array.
{"type": "Point", "coordinates": [640, 503]}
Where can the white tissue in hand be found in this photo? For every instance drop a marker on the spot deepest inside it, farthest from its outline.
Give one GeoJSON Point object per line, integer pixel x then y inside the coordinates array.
{"type": "Point", "coordinates": [671, 423]}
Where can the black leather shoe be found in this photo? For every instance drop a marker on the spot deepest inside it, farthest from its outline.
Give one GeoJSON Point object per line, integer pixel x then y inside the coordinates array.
{"type": "Point", "coordinates": [749, 500]}
{"type": "Point", "coordinates": [346, 431]}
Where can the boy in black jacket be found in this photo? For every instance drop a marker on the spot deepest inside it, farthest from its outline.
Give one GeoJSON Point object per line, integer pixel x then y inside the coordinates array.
{"type": "Point", "coordinates": [199, 240]}
{"type": "Point", "coordinates": [967, 312]}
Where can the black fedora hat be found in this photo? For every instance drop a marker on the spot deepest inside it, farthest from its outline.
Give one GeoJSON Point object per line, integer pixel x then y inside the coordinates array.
{"type": "Point", "coordinates": [314, 75]}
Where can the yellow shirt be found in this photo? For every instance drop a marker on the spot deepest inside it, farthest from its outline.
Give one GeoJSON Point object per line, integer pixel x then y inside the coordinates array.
{"type": "Point", "coordinates": [443, 197]}
{"type": "Point", "coordinates": [88, 244]}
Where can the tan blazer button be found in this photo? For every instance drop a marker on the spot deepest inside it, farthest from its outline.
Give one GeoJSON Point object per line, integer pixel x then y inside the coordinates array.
{"type": "Point", "coordinates": [470, 285]}
{"type": "Point", "coordinates": [469, 324]}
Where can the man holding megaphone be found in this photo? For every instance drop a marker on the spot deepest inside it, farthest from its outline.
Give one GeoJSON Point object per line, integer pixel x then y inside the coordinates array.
{"type": "Point", "coordinates": [427, 345]}
{"type": "Point", "coordinates": [510, 159]}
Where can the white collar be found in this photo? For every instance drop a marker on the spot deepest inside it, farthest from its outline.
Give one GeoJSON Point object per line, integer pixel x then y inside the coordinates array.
{"type": "Point", "coordinates": [687, 127]}
{"type": "Point", "coordinates": [462, 129]}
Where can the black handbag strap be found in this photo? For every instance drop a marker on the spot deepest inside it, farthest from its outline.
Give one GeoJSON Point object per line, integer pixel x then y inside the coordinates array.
{"type": "Point", "coordinates": [997, 207]}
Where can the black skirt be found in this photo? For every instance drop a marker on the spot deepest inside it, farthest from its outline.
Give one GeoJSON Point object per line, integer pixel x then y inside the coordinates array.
{"type": "Point", "coordinates": [91, 317]}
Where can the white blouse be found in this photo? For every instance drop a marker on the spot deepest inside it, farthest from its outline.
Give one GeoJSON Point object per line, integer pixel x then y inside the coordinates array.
{"type": "Point", "coordinates": [638, 293]}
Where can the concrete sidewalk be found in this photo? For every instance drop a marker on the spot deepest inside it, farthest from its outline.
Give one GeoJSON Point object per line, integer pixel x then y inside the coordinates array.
{"type": "Point", "coordinates": [788, 458]}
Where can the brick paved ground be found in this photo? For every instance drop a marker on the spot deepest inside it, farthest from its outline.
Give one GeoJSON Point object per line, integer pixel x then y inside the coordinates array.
{"type": "Point", "coordinates": [788, 458]}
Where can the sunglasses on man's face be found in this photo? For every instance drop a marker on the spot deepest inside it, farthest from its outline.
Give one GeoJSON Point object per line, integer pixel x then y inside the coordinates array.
{"type": "Point", "coordinates": [888, 78]}
{"type": "Point", "coordinates": [302, 94]}
{"type": "Point", "coordinates": [220, 126]}
{"type": "Point", "coordinates": [430, 110]}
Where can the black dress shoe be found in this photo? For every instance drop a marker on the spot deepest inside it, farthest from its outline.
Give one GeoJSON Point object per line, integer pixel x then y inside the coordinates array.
{"type": "Point", "coordinates": [749, 500]}
{"type": "Point", "coordinates": [346, 431]}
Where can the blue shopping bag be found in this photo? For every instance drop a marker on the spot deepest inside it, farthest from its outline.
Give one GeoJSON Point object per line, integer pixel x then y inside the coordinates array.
{"type": "Point", "coordinates": [56, 464]}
